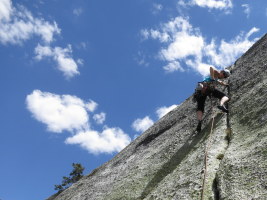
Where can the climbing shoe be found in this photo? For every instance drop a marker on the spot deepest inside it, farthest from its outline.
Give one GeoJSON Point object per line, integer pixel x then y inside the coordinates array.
{"type": "Point", "coordinates": [199, 126]}
{"type": "Point", "coordinates": [222, 108]}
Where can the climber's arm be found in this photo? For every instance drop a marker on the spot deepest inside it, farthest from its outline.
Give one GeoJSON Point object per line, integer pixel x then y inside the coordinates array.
{"type": "Point", "coordinates": [214, 73]}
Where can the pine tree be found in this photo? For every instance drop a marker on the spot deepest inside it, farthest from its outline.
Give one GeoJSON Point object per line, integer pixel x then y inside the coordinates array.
{"type": "Point", "coordinates": [75, 175]}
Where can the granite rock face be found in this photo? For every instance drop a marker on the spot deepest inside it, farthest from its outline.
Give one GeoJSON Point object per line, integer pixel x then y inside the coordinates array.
{"type": "Point", "coordinates": [167, 161]}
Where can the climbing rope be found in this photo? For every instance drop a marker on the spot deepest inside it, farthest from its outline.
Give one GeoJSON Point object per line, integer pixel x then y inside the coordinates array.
{"type": "Point", "coordinates": [209, 142]}
{"type": "Point", "coordinates": [206, 152]}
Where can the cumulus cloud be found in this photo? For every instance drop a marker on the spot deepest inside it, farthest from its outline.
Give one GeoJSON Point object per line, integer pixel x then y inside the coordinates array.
{"type": "Point", "coordinates": [217, 4]}
{"type": "Point", "coordinates": [164, 110]}
{"type": "Point", "coordinates": [184, 46]}
{"type": "Point", "coordinates": [100, 118]}
{"type": "Point", "coordinates": [180, 41]}
{"type": "Point", "coordinates": [145, 34]}
{"type": "Point", "coordinates": [226, 52]}
{"type": "Point", "coordinates": [181, 38]}
{"type": "Point", "coordinates": [110, 140]}
{"type": "Point", "coordinates": [173, 66]}
{"type": "Point", "coordinates": [58, 112]}
{"type": "Point", "coordinates": [91, 106]}
{"type": "Point", "coordinates": [211, 4]}
{"type": "Point", "coordinates": [247, 9]}
{"type": "Point", "coordinates": [141, 125]}
{"type": "Point", "coordinates": [62, 56]}
{"type": "Point", "coordinates": [18, 25]}
{"type": "Point", "coordinates": [70, 113]}
{"type": "Point", "coordinates": [5, 9]}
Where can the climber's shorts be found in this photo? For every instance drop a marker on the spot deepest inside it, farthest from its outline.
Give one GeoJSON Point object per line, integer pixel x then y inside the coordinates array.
{"type": "Point", "coordinates": [201, 100]}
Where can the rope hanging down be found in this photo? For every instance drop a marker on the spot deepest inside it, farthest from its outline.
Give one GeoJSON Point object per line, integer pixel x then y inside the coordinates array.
{"type": "Point", "coordinates": [206, 152]}
{"type": "Point", "coordinates": [228, 131]}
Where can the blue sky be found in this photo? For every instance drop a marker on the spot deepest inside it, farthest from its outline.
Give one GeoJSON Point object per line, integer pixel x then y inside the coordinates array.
{"type": "Point", "coordinates": [81, 79]}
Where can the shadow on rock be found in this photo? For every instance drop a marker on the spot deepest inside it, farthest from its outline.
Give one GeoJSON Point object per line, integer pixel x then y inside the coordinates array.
{"type": "Point", "coordinates": [178, 157]}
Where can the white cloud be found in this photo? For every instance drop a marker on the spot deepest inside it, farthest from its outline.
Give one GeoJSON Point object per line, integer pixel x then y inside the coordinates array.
{"type": "Point", "coordinates": [18, 25]}
{"type": "Point", "coordinates": [70, 113]}
{"type": "Point", "coordinates": [184, 40]}
{"type": "Point", "coordinates": [247, 9]}
{"type": "Point", "coordinates": [43, 51]}
{"type": "Point", "coordinates": [157, 8]}
{"type": "Point", "coordinates": [62, 56]}
{"type": "Point", "coordinates": [202, 68]}
{"type": "Point", "coordinates": [145, 33]}
{"type": "Point", "coordinates": [217, 4]}
{"type": "Point", "coordinates": [109, 141]}
{"type": "Point", "coordinates": [59, 113]}
{"type": "Point", "coordinates": [164, 110]}
{"type": "Point", "coordinates": [181, 40]}
{"type": "Point", "coordinates": [91, 106]}
{"type": "Point", "coordinates": [211, 4]}
{"type": "Point", "coordinates": [226, 52]}
{"type": "Point", "coordinates": [163, 37]}
{"type": "Point", "coordinates": [184, 45]}
{"type": "Point", "coordinates": [155, 34]}
{"type": "Point", "coordinates": [182, 3]}
{"type": "Point", "coordinates": [100, 118]}
{"type": "Point", "coordinates": [77, 11]}
{"type": "Point", "coordinates": [80, 61]}
{"type": "Point", "coordinates": [173, 66]}
{"type": "Point", "coordinates": [141, 125]}
{"type": "Point", "coordinates": [5, 9]}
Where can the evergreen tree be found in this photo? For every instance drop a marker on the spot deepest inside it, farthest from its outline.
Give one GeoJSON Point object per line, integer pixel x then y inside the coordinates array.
{"type": "Point", "coordinates": [75, 175]}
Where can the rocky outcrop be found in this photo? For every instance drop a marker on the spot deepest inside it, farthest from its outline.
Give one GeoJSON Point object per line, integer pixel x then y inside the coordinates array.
{"type": "Point", "coordinates": [167, 161]}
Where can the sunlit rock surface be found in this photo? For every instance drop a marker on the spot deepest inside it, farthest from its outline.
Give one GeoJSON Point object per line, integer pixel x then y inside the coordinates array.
{"type": "Point", "coordinates": [167, 161]}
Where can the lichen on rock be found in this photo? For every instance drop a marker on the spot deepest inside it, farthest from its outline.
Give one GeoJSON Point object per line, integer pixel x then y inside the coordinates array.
{"type": "Point", "coordinates": [167, 161]}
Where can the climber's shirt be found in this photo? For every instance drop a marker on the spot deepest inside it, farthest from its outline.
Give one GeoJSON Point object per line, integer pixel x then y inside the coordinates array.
{"type": "Point", "coordinates": [208, 79]}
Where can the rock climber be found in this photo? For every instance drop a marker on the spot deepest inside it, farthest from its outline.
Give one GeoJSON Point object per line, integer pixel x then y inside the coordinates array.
{"type": "Point", "coordinates": [208, 88]}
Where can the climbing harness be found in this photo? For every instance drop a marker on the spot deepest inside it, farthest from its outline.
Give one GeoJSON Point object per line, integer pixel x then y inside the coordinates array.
{"type": "Point", "coordinates": [203, 88]}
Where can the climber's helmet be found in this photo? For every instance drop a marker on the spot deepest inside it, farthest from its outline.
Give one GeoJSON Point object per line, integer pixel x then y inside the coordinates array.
{"type": "Point", "coordinates": [226, 73]}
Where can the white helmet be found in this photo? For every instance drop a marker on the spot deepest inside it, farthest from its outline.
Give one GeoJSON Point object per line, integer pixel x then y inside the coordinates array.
{"type": "Point", "coordinates": [226, 72]}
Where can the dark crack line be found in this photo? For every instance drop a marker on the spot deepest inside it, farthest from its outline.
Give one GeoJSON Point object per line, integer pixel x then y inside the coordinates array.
{"type": "Point", "coordinates": [215, 185]}
{"type": "Point", "coordinates": [215, 189]}
{"type": "Point", "coordinates": [176, 159]}
{"type": "Point", "coordinates": [151, 137]}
